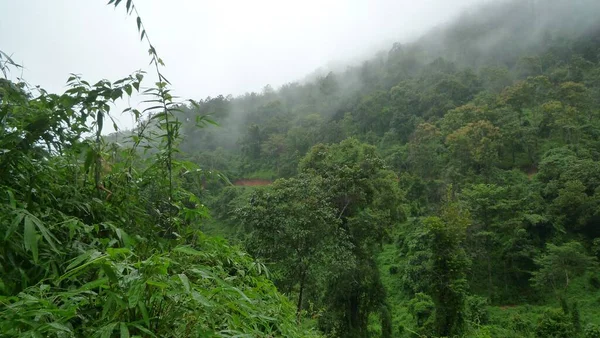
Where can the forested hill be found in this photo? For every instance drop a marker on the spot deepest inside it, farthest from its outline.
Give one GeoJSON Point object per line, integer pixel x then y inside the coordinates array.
{"type": "Point", "coordinates": [446, 187]}
{"type": "Point", "coordinates": [472, 152]}
{"type": "Point", "coordinates": [479, 59]}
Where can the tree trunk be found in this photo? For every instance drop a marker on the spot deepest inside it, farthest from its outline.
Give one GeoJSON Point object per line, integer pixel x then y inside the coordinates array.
{"type": "Point", "coordinates": [301, 293]}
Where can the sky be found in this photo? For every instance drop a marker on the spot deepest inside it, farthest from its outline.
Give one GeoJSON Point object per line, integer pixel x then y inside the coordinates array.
{"type": "Point", "coordinates": [209, 47]}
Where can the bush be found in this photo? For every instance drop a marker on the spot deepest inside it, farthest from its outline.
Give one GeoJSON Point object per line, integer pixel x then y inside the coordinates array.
{"type": "Point", "coordinates": [422, 308]}
{"type": "Point", "coordinates": [594, 281]}
{"type": "Point", "coordinates": [554, 324]}
{"type": "Point", "coordinates": [521, 325]}
{"type": "Point", "coordinates": [393, 270]}
{"type": "Point", "coordinates": [591, 331]}
{"type": "Point", "coordinates": [476, 310]}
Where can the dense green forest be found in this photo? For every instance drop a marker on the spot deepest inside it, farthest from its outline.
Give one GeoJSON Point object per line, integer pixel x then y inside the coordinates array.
{"type": "Point", "coordinates": [447, 187]}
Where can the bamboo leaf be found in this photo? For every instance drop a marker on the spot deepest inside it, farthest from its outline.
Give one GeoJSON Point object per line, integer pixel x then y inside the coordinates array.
{"type": "Point", "coordinates": [30, 238]}
{"type": "Point", "coordinates": [135, 294]}
{"type": "Point", "coordinates": [107, 330]}
{"type": "Point", "coordinates": [185, 281]}
{"type": "Point", "coordinates": [124, 330]}
{"type": "Point", "coordinates": [144, 312]}
{"type": "Point", "coordinates": [15, 224]}
{"type": "Point", "coordinates": [110, 273]}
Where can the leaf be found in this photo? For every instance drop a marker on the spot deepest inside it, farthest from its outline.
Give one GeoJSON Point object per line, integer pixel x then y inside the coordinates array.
{"type": "Point", "coordinates": [139, 22]}
{"type": "Point", "coordinates": [94, 284]}
{"type": "Point", "coordinates": [107, 330]}
{"type": "Point", "coordinates": [115, 252]}
{"type": "Point", "coordinates": [50, 239]}
{"type": "Point", "coordinates": [79, 259]}
{"type": "Point", "coordinates": [15, 224]}
{"type": "Point", "coordinates": [144, 312]}
{"type": "Point", "coordinates": [75, 270]}
{"type": "Point", "coordinates": [142, 35]}
{"type": "Point", "coordinates": [30, 238]}
{"type": "Point", "coordinates": [143, 329]}
{"type": "Point", "coordinates": [185, 281]}
{"type": "Point", "coordinates": [110, 273]}
{"type": "Point", "coordinates": [185, 249]}
{"type": "Point", "coordinates": [135, 294]}
{"type": "Point", "coordinates": [60, 327]}
{"type": "Point", "coordinates": [201, 299]}
{"type": "Point", "coordinates": [128, 89]}
{"type": "Point", "coordinates": [124, 330]}
{"type": "Point", "coordinates": [157, 284]}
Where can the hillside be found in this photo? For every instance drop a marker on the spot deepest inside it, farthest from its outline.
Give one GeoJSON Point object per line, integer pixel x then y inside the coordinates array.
{"type": "Point", "coordinates": [446, 187]}
{"type": "Point", "coordinates": [490, 125]}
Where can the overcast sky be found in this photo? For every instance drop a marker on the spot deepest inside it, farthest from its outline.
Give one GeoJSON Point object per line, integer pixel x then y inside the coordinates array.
{"type": "Point", "coordinates": [209, 47]}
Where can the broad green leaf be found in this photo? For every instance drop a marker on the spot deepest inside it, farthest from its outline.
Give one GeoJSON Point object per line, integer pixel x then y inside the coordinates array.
{"type": "Point", "coordinates": [185, 281]}
{"type": "Point", "coordinates": [11, 199]}
{"type": "Point", "coordinates": [60, 327]}
{"type": "Point", "coordinates": [94, 284]}
{"type": "Point", "coordinates": [185, 249]}
{"type": "Point", "coordinates": [30, 238]}
{"type": "Point", "coordinates": [135, 294]}
{"type": "Point", "coordinates": [124, 330]}
{"type": "Point", "coordinates": [81, 267]}
{"type": "Point", "coordinates": [15, 224]}
{"type": "Point", "coordinates": [48, 236]}
{"type": "Point", "coordinates": [115, 252]}
{"type": "Point", "coordinates": [144, 311]}
{"type": "Point", "coordinates": [110, 273]}
{"type": "Point", "coordinates": [143, 329]}
{"type": "Point", "coordinates": [157, 284]}
{"type": "Point", "coordinates": [107, 330]}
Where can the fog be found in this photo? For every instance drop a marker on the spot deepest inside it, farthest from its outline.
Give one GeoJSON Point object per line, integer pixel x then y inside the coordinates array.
{"type": "Point", "coordinates": [209, 47]}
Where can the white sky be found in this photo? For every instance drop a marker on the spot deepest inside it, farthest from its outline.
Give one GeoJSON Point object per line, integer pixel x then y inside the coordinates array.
{"type": "Point", "coordinates": [209, 47]}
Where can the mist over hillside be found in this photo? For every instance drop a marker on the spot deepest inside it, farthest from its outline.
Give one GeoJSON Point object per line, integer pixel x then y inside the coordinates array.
{"type": "Point", "coordinates": [446, 185]}
{"type": "Point", "coordinates": [498, 34]}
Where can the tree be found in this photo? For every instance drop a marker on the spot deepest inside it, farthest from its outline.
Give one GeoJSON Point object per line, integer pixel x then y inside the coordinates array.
{"type": "Point", "coordinates": [296, 231]}
{"type": "Point", "coordinates": [475, 145]}
{"type": "Point", "coordinates": [449, 267]}
{"type": "Point", "coordinates": [368, 203]}
{"type": "Point", "coordinates": [559, 264]}
{"type": "Point", "coordinates": [425, 151]}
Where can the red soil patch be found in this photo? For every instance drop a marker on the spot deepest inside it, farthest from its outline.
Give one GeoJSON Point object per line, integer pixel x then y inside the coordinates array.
{"type": "Point", "coordinates": [252, 183]}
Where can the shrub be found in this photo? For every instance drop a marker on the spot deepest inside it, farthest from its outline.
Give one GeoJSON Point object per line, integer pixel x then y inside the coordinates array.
{"type": "Point", "coordinates": [554, 324]}
{"type": "Point", "coordinates": [591, 331]}
{"type": "Point", "coordinates": [476, 310]}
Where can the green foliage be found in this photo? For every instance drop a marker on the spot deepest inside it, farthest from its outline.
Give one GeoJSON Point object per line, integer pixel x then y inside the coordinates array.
{"type": "Point", "coordinates": [90, 229]}
{"type": "Point", "coordinates": [99, 239]}
{"type": "Point", "coordinates": [554, 323]}
{"type": "Point", "coordinates": [560, 264]}
{"type": "Point", "coordinates": [294, 229]}
{"type": "Point", "coordinates": [591, 331]}
{"type": "Point", "coordinates": [476, 311]}
{"type": "Point", "coordinates": [422, 308]}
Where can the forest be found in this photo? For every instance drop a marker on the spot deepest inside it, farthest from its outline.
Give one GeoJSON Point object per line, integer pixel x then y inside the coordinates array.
{"type": "Point", "coordinates": [445, 187]}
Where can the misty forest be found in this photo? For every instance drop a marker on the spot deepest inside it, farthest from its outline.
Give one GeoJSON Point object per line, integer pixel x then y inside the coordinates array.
{"type": "Point", "coordinates": [444, 187]}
